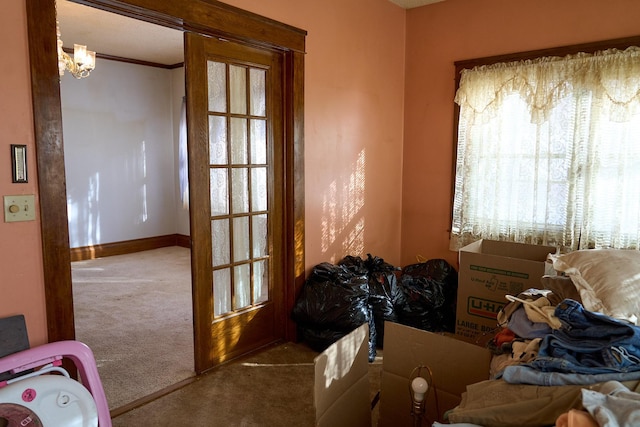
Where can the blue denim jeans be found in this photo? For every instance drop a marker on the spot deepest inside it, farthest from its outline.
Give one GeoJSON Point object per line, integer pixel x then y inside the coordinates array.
{"type": "Point", "coordinates": [521, 374]}
{"type": "Point", "coordinates": [589, 343]}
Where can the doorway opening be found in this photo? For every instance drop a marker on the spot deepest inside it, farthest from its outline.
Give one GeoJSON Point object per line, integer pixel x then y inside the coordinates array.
{"type": "Point", "coordinates": [128, 216]}
{"type": "Point", "coordinates": [207, 18]}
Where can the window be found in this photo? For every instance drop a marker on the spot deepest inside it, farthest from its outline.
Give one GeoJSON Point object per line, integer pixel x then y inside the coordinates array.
{"type": "Point", "coordinates": [548, 152]}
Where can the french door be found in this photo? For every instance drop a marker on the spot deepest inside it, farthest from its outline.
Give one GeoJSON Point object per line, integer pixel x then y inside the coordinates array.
{"type": "Point", "coordinates": [236, 175]}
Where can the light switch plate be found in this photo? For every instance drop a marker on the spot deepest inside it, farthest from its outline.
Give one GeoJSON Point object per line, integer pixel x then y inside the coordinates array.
{"type": "Point", "coordinates": [19, 208]}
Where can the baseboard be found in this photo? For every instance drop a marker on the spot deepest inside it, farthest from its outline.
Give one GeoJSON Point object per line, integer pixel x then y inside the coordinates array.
{"type": "Point", "coordinates": [183, 241]}
{"type": "Point", "coordinates": [150, 398]}
{"type": "Point", "coordinates": [129, 246]}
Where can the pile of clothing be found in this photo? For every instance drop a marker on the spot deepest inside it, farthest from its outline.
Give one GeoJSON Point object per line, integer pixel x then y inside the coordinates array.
{"type": "Point", "coordinates": [568, 366]}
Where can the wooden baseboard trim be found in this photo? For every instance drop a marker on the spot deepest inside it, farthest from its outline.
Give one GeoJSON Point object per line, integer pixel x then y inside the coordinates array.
{"type": "Point", "coordinates": [129, 246]}
{"type": "Point", "coordinates": [183, 241]}
{"type": "Point", "coordinates": [150, 398]}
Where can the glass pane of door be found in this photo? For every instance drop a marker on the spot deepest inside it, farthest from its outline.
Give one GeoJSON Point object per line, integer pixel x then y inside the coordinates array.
{"type": "Point", "coordinates": [238, 186]}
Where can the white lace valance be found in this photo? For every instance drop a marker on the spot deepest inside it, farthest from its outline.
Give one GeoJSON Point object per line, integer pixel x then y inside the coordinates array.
{"type": "Point", "coordinates": [612, 78]}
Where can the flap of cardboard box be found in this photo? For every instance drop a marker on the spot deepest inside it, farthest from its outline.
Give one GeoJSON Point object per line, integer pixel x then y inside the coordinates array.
{"type": "Point", "coordinates": [341, 387]}
{"type": "Point", "coordinates": [510, 250]}
{"type": "Point", "coordinates": [453, 364]}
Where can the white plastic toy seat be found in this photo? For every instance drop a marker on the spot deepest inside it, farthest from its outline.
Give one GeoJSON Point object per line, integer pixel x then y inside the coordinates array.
{"type": "Point", "coordinates": [47, 400]}
{"type": "Point", "coordinates": [53, 353]}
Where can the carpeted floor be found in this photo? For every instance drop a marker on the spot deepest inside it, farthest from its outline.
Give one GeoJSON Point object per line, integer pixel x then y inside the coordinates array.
{"type": "Point", "coordinates": [134, 311]}
{"type": "Point", "coordinates": [271, 388]}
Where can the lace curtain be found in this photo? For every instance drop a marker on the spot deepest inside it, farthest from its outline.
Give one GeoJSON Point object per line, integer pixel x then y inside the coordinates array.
{"type": "Point", "coordinates": [549, 152]}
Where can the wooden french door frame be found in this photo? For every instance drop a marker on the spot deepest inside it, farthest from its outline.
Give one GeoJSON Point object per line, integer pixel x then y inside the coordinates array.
{"type": "Point", "coordinates": [206, 17]}
{"type": "Point", "coordinates": [234, 330]}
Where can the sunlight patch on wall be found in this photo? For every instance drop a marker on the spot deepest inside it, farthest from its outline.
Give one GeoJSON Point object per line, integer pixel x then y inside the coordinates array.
{"type": "Point", "coordinates": [342, 203]}
{"type": "Point", "coordinates": [144, 214]}
{"type": "Point", "coordinates": [354, 243]}
{"type": "Point", "coordinates": [84, 215]}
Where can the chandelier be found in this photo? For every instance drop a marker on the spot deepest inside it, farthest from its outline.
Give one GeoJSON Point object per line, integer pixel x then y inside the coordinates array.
{"type": "Point", "coordinates": [82, 62]}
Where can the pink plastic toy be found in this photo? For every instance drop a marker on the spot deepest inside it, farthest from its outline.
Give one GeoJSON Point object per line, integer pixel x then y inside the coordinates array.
{"type": "Point", "coordinates": [53, 353]}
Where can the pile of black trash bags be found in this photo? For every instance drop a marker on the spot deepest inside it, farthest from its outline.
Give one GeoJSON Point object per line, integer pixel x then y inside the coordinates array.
{"type": "Point", "coordinates": [338, 298]}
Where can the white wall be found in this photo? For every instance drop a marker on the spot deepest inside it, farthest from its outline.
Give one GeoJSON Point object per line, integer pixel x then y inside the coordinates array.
{"type": "Point", "coordinates": [119, 153]}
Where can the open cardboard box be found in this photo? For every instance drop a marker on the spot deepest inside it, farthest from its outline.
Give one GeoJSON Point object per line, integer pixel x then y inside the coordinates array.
{"type": "Point", "coordinates": [489, 270]}
{"type": "Point", "coordinates": [454, 364]}
{"type": "Point", "coordinates": [342, 390]}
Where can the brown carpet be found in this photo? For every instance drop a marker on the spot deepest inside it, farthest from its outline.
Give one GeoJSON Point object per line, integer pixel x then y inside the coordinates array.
{"type": "Point", "coordinates": [271, 388]}
{"type": "Point", "coordinates": [134, 311]}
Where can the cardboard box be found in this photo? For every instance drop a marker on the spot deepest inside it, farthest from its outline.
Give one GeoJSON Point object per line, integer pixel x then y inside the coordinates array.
{"type": "Point", "coordinates": [488, 271]}
{"type": "Point", "coordinates": [454, 364]}
{"type": "Point", "coordinates": [341, 383]}
{"type": "Point", "coordinates": [342, 387]}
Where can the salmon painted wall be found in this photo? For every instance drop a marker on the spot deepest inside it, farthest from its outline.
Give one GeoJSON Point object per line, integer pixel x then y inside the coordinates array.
{"type": "Point", "coordinates": [21, 278]}
{"type": "Point", "coordinates": [453, 30]}
{"type": "Point", "coordinates": [354, 116]}
{"type": "Point", "coordinates": [354, 85]}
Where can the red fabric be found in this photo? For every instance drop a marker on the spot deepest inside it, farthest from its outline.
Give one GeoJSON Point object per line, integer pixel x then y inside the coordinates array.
{"type": "Point", "coordinates": [504, 336]}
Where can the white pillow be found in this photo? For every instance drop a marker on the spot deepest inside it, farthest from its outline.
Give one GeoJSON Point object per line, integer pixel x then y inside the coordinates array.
{"type": "Point", "coordinates": [608, 280]}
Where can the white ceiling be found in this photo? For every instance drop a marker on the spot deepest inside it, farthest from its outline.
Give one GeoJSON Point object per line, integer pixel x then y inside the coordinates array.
{"type": "Point", "coordinates": [116, 35]}
{"type": "Point", "coordinates": [112, 34]}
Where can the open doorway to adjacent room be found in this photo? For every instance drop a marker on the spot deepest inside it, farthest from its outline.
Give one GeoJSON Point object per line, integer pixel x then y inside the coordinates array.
{"type": "Point", "coordinates": [124, 132]}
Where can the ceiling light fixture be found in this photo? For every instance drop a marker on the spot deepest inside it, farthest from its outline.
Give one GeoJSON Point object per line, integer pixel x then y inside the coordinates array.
{"type": "Point", "coordinates": [82, 63]}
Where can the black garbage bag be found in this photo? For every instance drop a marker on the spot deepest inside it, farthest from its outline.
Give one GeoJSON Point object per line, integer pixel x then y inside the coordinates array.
{"type": "Point", "coordinates": [332, 303]}
{"type": "Point", "coordinates": [427, 296]}
{"type": "Point", "coordinates": [355, 264]}
{"type": "Point", "coordinates": [333, 298]}
{"type": "Point", "coordinates": [383, 290]}
{"type": "Point", "coordinates": [319, 338]}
